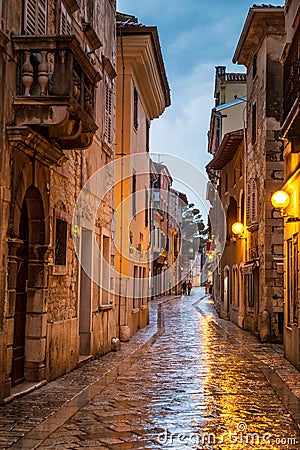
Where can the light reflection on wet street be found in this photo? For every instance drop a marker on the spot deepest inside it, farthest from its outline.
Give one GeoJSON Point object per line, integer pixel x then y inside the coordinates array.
{"type": "Point", "coordinates": [194, 388]}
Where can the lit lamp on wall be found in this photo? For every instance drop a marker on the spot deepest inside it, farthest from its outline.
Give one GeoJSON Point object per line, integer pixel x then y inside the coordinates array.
{"type": "Point", "coordinates": [280, 201]}
{"type": "Point", "coordinates": [238, 230]}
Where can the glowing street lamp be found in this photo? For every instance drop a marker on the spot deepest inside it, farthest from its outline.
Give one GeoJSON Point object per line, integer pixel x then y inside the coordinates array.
{"type": "Point", "coordinates": [280, 200]}
{"type": "Point", "coordinates": [237, 228]}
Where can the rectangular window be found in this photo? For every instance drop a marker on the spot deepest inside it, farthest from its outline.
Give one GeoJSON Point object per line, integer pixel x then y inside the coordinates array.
{"type": "Point", "coordinates": [35, 17]}
{"type": "Point", "coordinates": [295, 279]}
{"type": "Point", "coordinates": [133, 194]}
{"type": "Point", "coordinates": [253, 201]}
{"type": "Point", "coordinates": [147, 135]}
{"type": "Point", "coordinates": [146, 208]}
{"type": "Point", "coordinates": [254, 124]}
{"type": "Point", "coordinates": [65, 21]}
{"type": "Point", "coordinates": [61, 228]}
{"type": "Point", "coordinates": [251, 204]}
{"type": "Point", "coordinates": [251, 290]}
{"type": "Point", "coordinates": [144, 287]}
{"type": "Point", "coordinates": [135, 108]}
{"type": "Point", "coordinates": [289, 280]}
{"type": "Point", "coordinates": [292, 280]}
{"type": "Point", "coordinates": [105, 271]}
{"type": "Point", "coordinates": [253, 287]}
{"type": "Point", "coordinates": [135, 287]}
{"type": "Point", "coordinates": [254, 66]}
{"type": "Point", "coordinates": [108, 114]}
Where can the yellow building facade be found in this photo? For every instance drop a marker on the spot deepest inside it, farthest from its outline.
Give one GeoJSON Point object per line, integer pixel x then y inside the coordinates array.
{"type": "Point", "coordinates": [290, 132]}
{"type": "Point", "coordinates": [142, 95]}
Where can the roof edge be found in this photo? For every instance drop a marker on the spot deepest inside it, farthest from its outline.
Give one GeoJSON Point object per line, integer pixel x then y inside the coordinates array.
{"type": "Point", "coordinates": [251, 13]}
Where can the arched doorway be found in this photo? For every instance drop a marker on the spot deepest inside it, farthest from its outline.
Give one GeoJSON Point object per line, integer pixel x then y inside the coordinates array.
{"type": "Point", "coordinates": [226, 290]}
{"type": "Point", "coordinates": [29, 256]}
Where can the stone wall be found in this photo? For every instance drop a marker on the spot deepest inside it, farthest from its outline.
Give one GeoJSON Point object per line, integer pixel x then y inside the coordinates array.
{"type": "Point", "coordinates": [52, 323]}
{"type": "Point", "coordinates": [265, 165]}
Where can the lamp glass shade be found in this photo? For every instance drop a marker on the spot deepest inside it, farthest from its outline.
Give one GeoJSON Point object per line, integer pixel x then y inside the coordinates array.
{"type": "Point", "coordinates": [280, 199]}
{"type": "Point", "coordinates": [237, 228]}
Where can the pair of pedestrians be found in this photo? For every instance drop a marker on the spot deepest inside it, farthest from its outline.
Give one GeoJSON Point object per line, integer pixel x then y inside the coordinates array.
{"type": "Point", "coordinates": [186, 287]}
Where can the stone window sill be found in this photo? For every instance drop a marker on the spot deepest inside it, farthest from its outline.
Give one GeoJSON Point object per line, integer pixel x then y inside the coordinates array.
{"type": "Point", "coordinates": [59, 270]}
{"type": "Point", "coordinates": [105, 307]}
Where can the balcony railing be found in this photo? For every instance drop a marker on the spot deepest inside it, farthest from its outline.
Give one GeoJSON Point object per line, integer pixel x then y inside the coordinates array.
{"type": "Point", "coordinates": [291, 89]}
{"type": "Point", "coordinates": [55, 88]}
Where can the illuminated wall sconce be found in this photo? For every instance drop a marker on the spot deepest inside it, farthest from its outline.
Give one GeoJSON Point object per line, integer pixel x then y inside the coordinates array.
{"type": "Point", "coordinates": [238, 230]}
{"type": "Point", "coordinates": [280, 201]}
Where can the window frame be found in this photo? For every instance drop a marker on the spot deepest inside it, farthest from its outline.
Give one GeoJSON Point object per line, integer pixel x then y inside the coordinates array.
{"type": "Point", "coordinates": [292, 279]}
{"type": "Point", "coordinates": [39, 11]}
{"type": "Point", "coordinates": [251, 202]}
{"type": "Point", "coordinates": [254, 123]}
{"type": "Point", "coordinates": [67, 23]}
{"type": "Point", "coordinates": [60, 256]}
{"type": "Point", "coordinates": [108, 116]}
{"type": "Point", "coordinates": [133, 194]}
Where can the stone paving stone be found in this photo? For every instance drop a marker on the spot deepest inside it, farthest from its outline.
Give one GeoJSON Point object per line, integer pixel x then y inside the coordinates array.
{"type": "Point", "coordinates": [192, 380]}
{"type": "Point", "coordinates": [204, 383]}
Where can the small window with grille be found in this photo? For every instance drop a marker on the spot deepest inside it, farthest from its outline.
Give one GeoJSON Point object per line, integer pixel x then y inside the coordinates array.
{"type": "Point", "coordinates": [251, 204]}
{"type": "Point", "coordinates": [61, 227]}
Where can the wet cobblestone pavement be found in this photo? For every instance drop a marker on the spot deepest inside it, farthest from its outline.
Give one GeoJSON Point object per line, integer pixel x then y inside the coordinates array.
{"type": "Point", "coordinates": [195, 381]}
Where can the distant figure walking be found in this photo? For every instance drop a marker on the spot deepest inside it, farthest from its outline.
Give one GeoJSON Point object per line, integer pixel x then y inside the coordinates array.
{"type": "Point", "coordinates": [189, 287]}
{"type": "Point", "coordinates": [207, 287]}
{"type": "Point", "coordinates": [183, 288]}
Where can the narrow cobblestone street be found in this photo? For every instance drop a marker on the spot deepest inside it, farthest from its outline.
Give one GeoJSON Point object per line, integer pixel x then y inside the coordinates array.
{"type": "Point", "coordinates": [189, 380]}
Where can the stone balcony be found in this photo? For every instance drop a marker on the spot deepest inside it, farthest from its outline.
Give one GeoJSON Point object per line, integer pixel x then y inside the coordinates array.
{"type": "Point", "coordinates": [55, 89]}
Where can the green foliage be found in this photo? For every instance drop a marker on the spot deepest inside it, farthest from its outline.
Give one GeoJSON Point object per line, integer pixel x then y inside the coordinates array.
{"type": "Point", "coordinates": [194, 232]}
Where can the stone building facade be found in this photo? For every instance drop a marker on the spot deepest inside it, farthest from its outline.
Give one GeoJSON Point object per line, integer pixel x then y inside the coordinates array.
{"type": "Point", "coordinates": [177, 203]}
{"type": "Point", "coordinates": [228, 283]}
{"type": "Point", "coordinates": [57, 68]}
{"type": "Point", "coordinates": [259, 49]}
{"type": "Point", "coordinates": [290, 133]}
{"type": "Point", "coordinates": [161, 282]}
{"type": "Point", "coordinates": [226, 172]}
{"type": "Point", "coordinates": [142, 95]}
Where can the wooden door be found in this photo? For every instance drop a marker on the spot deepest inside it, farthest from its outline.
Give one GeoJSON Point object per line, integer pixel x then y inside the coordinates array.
{"type": "Point", "coordinates": [21, 302]}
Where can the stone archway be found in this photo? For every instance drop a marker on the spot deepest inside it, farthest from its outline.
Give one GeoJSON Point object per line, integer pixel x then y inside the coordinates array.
{"type": "Point", "coordinates": [27, 285]}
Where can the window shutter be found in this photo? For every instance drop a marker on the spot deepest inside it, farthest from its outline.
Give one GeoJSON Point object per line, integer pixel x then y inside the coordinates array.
{"type": "Point", "coordinates": [248, 204]}
{"type": "Point", "coordinates": [30, 16]}
{"type": "Point", "coordinates": [35, 16]}
{"type": "Point", "coordinates": [41, 16]}
{"type": "Point", "coordinates": [108, 114]}
{"type": "Point", "coordinates": [253, 201]}
{"type": "Point", "coordinates": [65, 21]}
